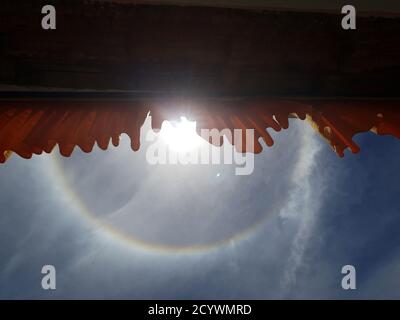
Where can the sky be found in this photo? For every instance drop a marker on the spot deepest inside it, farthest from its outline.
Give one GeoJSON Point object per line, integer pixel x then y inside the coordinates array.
{"type": "Point", "coordinates": [117, 227]}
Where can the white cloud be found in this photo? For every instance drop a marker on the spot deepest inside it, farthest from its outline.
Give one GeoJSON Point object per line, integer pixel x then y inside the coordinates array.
{"type": "Point", "coordinates": [303, 205]}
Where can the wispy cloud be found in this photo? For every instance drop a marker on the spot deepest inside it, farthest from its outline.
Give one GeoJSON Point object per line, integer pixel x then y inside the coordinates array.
{"type": "Point", "coordinates": [303, 206]}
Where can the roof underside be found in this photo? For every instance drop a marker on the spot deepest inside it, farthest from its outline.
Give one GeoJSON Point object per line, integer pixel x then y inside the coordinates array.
{"type": "Point", "coordinates": [382, 7]}
{"type": "Point", "coordinates": [198, 51]}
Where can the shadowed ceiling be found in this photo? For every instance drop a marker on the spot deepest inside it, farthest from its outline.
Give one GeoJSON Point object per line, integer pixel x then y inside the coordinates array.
{"type": "Point", "coordinates": [382, 7]}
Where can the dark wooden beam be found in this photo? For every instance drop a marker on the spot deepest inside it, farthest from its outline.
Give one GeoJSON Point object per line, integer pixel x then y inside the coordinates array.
{"type": "Point", "coordinates": [198, 51]}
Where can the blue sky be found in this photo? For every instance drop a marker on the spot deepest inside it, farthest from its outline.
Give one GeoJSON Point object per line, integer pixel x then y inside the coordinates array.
{"type": "Point", "coordinates": [283, 232]}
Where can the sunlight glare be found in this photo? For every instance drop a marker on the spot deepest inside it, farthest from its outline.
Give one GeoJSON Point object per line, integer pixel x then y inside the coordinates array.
{"type": "Point", "coordinates": [181, 136]}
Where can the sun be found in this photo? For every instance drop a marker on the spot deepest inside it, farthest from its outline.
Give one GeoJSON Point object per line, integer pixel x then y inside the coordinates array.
{"type": "Point", "coordinates": [181, 136]}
